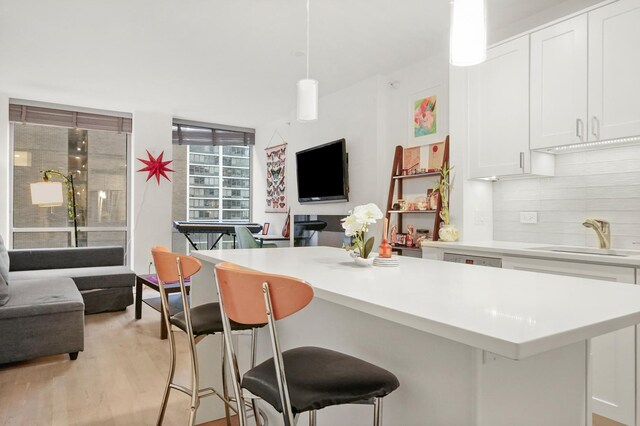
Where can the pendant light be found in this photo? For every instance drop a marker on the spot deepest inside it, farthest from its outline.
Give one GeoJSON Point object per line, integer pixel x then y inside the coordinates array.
{"type": "Point", "coordinates": [468, 41]}
{"type": "Point", "coordinates": [307, 90]}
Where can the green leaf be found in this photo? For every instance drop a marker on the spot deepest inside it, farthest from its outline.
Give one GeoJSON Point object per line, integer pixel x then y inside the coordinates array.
{"type": "Point", "coordinates": [367, 247]}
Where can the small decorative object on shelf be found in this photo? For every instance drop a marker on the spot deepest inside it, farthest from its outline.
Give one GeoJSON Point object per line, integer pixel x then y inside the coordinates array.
{"type": "Point", "coordinates": [447, 231]}
{"type": "Point", "coordinates": [422, 203]}
{"type": "Point", "coordinates": [410, 237]}
{"type": "Point", "coordinates": [384, 251]}
{"type": "Point", "coordinates": [356, 226]}
{"type": "Point", "coordinates": [394, 235]}
{"type": "Point", "coordinates": [401, 240]}
{"type": "Point", "coordinates": [421, 235]}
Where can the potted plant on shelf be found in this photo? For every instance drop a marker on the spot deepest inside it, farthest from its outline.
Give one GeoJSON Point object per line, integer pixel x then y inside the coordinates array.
{"type": "Point", "coordinates": [356, 226]}
{"type": "Point", "coordinates": [447, 231]}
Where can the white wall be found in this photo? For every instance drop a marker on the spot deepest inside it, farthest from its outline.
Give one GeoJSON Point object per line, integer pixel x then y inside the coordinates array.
{"type": "Point", "coordinates": [373, 117]}
{"type": "Point", "coordinates": [602, 184]}
{"type": "Point", "coordinates": [5, 156]}
{"type": "Point", "coordinates": [150, 219]}
{"type": "Point", "coordinates": [352, 114]}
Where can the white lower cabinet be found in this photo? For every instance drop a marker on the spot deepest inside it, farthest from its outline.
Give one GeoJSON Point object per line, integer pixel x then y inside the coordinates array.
{"type": "Point", "coordinates": [613, 355]}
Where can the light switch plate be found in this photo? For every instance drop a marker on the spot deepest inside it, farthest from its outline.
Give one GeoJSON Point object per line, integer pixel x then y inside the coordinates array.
{"type": "Point", "coordinates": [528, 217]}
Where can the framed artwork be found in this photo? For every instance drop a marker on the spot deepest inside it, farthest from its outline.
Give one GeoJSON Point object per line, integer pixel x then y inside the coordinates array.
{"type": "Point", "coordinates": [425, 122]}
{"type": "Point", "coordinates": [401, 239]}
{"type": "Point", "coordinates": [265, 228]}
{"type": "Point", "coordinates": [422, 158]}
{"type": "Point", "coordinates": [276, 201]}
{"type": "Point", "coordinates": [411, 159]}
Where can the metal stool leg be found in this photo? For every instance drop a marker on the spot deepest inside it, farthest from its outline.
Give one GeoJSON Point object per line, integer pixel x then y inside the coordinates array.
{"type": "Point", "coordinates": [195, 382]}
{"type": "Point", "coordinates": [254, 404]}
{"type": "Point", "coordinates": [225, 389]}
{"type": "Point", "coordinates": [312, 418]}
{"type": "Point", "coordinates": [172, 370]}
{"type": "Point", "coordinates": [377, 412]}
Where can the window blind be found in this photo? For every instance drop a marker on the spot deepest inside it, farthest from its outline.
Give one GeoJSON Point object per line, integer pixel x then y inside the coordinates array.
{"type": "Point", "coordinates": [195, 133]}
{"type": "Point", "coordinates": [64, 118]}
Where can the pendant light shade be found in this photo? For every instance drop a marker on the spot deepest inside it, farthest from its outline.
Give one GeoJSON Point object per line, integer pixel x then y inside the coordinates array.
{"type": "Point", "coordinates": [307, 90]}
{"type": "Point", "coordinates": [468, 42]}
{"type": "Point", "coordinates": [307, 99]}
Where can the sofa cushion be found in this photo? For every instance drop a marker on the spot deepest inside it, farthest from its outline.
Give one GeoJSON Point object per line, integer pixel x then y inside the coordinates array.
{"type": "Point", "coordinates": [59, 258]}
{"type": "Point", "coordinates": [33, 297]}
{"type": "Point", "coordinates": [4, 292]}
{"type": "Point", "coordinates": [4, 261]}
{"type": "Point", "coordinates": [85, 278]}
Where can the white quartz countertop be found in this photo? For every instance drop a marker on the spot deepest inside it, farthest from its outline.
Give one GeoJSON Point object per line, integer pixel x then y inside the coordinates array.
{"type": "Point", "coordinates": [512, 313]}
{"type": "Point", "coordinates": [537, 250]}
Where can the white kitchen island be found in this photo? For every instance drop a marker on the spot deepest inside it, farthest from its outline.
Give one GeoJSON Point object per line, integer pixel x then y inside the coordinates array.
{"type": "Point", "coordinates": [470, 346]}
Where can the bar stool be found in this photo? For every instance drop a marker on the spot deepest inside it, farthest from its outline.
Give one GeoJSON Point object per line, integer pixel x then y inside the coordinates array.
{"type": "Point", "coordinates": [301, 379]}
{"type": "Point", "coordinates": [197, 323]}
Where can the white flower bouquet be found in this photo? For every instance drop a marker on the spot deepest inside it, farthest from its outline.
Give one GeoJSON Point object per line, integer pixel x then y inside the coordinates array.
{"type": "Point", "coordinates": [356, 226]}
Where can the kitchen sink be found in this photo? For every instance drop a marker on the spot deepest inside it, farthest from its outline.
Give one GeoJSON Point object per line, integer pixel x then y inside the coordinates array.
{"type": "Point", "coordinates": [587, 250]}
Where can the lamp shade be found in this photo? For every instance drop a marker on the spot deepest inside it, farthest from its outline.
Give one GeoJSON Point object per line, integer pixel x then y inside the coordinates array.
{"type": "Point", "coordinates": [307, 99]}
{"type": "Point", "coordinates": [47, 194]}
{"type": "Point", "coordinates": [468, 41]}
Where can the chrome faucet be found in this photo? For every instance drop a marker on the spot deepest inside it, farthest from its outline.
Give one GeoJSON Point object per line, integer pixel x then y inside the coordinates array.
{"type": "Point", "coordinates": [603, 231]}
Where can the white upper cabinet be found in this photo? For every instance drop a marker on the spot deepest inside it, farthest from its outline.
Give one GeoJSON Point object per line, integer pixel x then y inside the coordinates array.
{"type": "Point", "coordinates": [499, 111]}
{"type": "Point", "coordinates": [584, 77]}
{"type": "Point", "coordinates": [614, 70]}
{"type": "Point", "coordinates": [559, 84]}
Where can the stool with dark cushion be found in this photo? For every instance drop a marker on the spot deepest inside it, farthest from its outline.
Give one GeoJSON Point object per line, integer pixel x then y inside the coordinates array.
{"type": "Point", "coordinates": [299, 380]}
{"type": "Point", "coordinates": [197, 323]}
{"type": "Point", "coordinates": [318, 378]}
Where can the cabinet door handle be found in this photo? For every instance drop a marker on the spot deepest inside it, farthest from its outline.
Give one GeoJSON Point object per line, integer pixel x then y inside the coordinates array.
{"type": "Point", "coordinates": [595, 127]}
{"type": "Point", "coordinates": [522, 160]}
{"type": "Point", "coordinates": [580, 129]}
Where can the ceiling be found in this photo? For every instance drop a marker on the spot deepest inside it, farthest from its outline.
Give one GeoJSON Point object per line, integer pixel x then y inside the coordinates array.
{"type": "Point", "coordinates": [225, 61]}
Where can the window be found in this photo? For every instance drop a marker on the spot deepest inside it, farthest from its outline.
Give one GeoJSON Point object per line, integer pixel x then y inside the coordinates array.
{"type": "Point", "coordinates": [215, 181]}
{"type": "Point", "coordinates": [97, 159]}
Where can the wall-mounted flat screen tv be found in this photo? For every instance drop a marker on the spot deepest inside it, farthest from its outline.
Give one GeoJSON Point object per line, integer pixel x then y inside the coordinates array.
{"type": "Point", "coordinates": [322, 173]}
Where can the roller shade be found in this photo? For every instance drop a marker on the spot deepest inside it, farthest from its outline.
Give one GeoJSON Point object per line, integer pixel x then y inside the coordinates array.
{"type": "Point", "coordinates": [188, 133]}
{"type": "Point", "coordinates": [72, 119]}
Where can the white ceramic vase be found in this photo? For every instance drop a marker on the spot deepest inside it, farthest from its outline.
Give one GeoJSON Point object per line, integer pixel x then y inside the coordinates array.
{"type": "Point", "coordinates": [360, 261]}
{"type": "Point", "coordinates": [449, 233]}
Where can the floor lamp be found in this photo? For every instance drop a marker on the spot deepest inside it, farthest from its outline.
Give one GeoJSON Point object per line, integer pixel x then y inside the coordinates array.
{"type": "Point", "coordinates": [49, 194]}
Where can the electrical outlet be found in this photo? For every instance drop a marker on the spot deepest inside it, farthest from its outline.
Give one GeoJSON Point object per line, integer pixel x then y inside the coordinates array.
{"type": "Point", "coordinates": [528, 217]}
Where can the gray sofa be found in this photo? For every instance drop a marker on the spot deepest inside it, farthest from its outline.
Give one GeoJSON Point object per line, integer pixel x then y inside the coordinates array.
{"type": "Point", "coordinates": [99, 273]}
{"type": "Point", "coordinates": [48, 293]}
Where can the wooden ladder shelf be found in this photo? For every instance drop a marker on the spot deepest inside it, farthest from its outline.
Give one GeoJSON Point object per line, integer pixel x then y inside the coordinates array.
{"type": "Point", "coordinates": [397, 179]}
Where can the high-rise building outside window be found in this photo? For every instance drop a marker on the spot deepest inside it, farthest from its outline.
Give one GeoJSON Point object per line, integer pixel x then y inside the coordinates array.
{"type": "Point", "coordinates": [212, 179]}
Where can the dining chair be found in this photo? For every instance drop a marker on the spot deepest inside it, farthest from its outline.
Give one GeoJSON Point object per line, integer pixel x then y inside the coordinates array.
{"type": "Point", "coordinates": [304, 379]}
{"type": "Point", "coordinates": [197, 323]}
{"type": "Point", "coordinates": [246, 240]}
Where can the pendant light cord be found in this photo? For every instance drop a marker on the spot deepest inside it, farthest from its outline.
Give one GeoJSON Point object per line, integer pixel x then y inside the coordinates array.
{"type": "Point", "coordinates": [307, 39]}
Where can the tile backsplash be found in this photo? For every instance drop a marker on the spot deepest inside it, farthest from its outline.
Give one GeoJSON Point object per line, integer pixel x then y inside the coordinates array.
{"type": "Point", "coordinates": [603, 184]}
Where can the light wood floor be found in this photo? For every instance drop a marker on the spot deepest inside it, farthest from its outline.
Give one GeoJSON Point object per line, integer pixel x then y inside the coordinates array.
{"type": "Point", "coordinates": [117, 380]}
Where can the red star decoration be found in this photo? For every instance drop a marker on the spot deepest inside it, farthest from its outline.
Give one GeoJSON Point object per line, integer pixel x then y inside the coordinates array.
{"type": "Point", "coordinates": [156, 167]}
